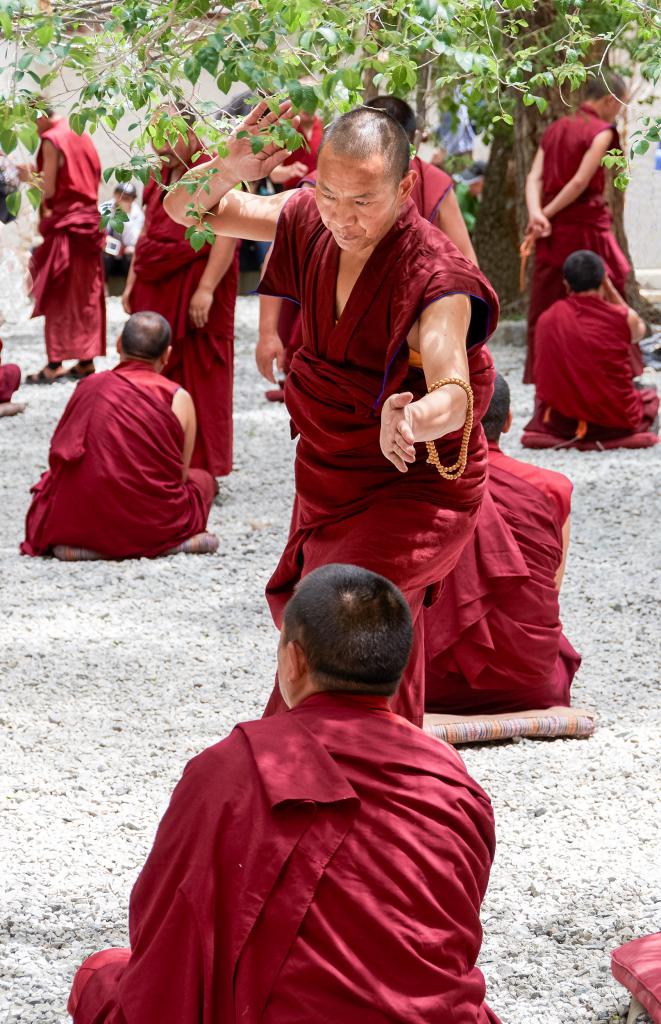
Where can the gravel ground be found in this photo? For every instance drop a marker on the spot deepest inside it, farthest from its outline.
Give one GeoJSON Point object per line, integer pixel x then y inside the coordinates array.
{"type": "Point", "coordinates": [113, 675]}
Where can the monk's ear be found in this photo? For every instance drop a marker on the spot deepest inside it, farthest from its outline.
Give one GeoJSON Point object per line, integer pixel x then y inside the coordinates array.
{"type": "Point", "coordinates": [119, 346]}
{"type": "Point", "coordinates": [567, 287]}
{"type": "Point", "coordinates": [507, 425]}
{"type": "Point", "coordinates": [166, 355]}
{"type": "Point", "coordinates": [406, 185]}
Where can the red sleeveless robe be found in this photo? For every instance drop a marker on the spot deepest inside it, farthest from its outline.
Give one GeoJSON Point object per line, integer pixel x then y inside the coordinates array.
{"type": "Point", "coordinates": [324, 865]}
{"type": "Point", "coordinates": [493, 640]}
{"type": "Point", "coordinates": [168, 271]}
{"type": "Point", "coordinates": [67, 268]}
{"type": "Point", "coordinates": [351, 504]}
{"type": "Point", "coordinates": [114, 483]}
{"type": "Point", "coordinates": [584, 224]}
{"type": "Point", "coordinates": [583, 371]}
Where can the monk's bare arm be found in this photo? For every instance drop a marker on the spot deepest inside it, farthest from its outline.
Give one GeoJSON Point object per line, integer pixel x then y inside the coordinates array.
{"type": "Point", "coordinates": [450, 221]}
{"type": "Point", "coordinates": [216, 199]}
{"type": "Point", "coordinates": [442, 342]}
{"type": "Point", "coordinates": [566, 534]}
{"type": "Point", "coordinates": [49, 169]}
{"type": "Point", "coordinates": [587, 169]}
{"type": "Point", "coordinates": [184, 410]}
{"type": "Point", "coordinates": [538, 223]}
{"type": "Point", "coordinates": [219, 261]}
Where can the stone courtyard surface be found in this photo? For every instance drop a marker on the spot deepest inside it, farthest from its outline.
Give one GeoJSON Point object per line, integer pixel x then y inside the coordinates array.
{"type": "Point", "coordinates": [113, 675]}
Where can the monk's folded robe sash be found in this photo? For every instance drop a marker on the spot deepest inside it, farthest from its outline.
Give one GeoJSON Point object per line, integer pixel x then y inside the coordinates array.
{"type": "Point", "coordinates": [78, 226]}
{"type": "Point", "coordinates": [114, 484]}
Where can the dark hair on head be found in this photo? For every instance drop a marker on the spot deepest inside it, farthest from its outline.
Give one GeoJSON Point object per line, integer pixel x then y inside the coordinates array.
{"type": "Point", "coordinates": [126, 188]}
{"type": "Point", "coordinates": [499, 406]}
{"type": "Point", "coordinates": [354, 628]}
{"type": "Point", "coordinates": [364, 132]}
{"type": "Point", "coordinates": [43, 106]}
{"type": "Point", "coordinates": [583, 270]}
{"type": "Point", "coordinates": [146, 335]}
{"type": "Point", "coordinates": [606, 84]}
{"type": "Point", "coordinates": [399, 110]}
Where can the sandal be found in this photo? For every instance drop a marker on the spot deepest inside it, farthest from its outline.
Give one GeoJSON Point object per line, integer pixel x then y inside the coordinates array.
{"type": "Point", "coordinates": [43, 378]}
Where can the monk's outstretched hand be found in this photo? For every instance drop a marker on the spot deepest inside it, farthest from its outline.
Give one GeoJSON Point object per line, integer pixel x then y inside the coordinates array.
{"type": "Point", "coordinates": [397, 439]}
{"type": "Point", "coordinates": [240, 161]}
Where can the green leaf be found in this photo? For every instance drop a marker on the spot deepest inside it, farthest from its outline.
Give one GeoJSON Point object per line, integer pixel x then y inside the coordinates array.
{"type": "Point", "coordinates": [108, 173]}
{"type": "Point", "coordinates": [77, 122]}
{"type": "Point", "coordinates": [329, 34]}
{"type": "Point", "coordinates": [44, 33]}
{"type": "Point", "coordinates": [13, 201]}
{"type": "Point", "coordinates": [640, 147]}
{"type": "Point", "coordinates": [34, 195]}
{"type": "Point", "coordinates": [192, 68]}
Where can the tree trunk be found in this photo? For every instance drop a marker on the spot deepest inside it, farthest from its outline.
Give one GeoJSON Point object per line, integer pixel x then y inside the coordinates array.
{"type": "Point", "coordinates": [496, 232]}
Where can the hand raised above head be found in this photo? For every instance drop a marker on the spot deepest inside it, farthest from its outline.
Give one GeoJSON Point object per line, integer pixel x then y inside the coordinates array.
{"type": "Point", "coordinates": [240, 160]}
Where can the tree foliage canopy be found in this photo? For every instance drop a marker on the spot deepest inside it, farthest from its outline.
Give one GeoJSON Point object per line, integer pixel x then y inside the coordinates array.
{"type": "Point", "coordinates": [131, 56]}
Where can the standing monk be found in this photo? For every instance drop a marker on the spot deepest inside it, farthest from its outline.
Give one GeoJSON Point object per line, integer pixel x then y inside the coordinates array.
{"type": "Point", "coordinates": [564, 195]}
{"type": "Point", "coordinates": [67, 268]}
{"type": "Point", "coordinates": [196, 293]}
{"type": "Point", "coordinates": [433, 195]}
{"type": "Point", "coordinates": [394, 318]}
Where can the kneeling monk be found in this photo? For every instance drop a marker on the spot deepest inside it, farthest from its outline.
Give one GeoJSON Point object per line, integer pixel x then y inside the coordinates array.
{"type": "Point", "coordinates": [119, 482]}
{"type": "Point", "coordinates": [494, 641]}
{"type": "Point", "coordinates": [324, 865]}
{"type": "Point", "coordinates": [585, 360]}
{"type": "Point", "coordinates": [391, 313]}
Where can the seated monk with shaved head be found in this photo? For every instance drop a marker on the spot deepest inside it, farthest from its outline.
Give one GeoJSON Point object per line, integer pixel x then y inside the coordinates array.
{"type": "Point", "coordinates": [586, 357]}
{"type": "Point", "coordinates": [327, 864]}
{"type": "Point", "coordinates": [119, 483]}
{"type": "Point", "coordinates": [388, 388]}
{"type": "Point", "coordinates": [494, 640]}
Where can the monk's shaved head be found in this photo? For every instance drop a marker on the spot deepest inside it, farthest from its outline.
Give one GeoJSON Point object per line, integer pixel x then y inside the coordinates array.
{"type": "Point", "coordinates": [496, 415]}
{"type": "Point", "coordinates": [583, 271]}
{"type": "Point", "coordinates": [365, 133]}
{"type": "Point", "coordinates": [607, 84]}
{"type": "Point", "coordinates": [354, 628]}
{"type": "Point", "coordinates": [399, 110]}
{"type": "Point", "coordinates": [145, 336]}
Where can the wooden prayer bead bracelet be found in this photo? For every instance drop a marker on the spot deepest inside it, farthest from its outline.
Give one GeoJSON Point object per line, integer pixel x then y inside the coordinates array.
{"type": "Point", "coordinates": [455, 471]}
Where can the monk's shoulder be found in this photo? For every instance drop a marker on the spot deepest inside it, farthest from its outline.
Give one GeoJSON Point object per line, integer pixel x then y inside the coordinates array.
{"type": "Point", "coordinates": [223, 767]}
{"type": "Point", "coordinates": [554, 485]}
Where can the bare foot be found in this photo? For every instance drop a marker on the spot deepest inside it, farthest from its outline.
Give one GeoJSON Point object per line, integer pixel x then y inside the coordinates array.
{"type": "Point", "coordinates": [11, 408]}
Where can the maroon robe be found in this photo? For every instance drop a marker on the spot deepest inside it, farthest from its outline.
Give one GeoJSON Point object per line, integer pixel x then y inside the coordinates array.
{"type": "Point", "coordinates": [168, 271]}
{"type": "Point", "coordinates": [10, 380]}
{"type": "Point", "coordinates": [431, 188]}
{"type": "Point", "coordinates": [67, 268]}
{"type": "Point", "coordinates": [352, 505]}
{"type": "Point", "coordinates": [324, 865]}
{"type": "Point", "coordinates": [115, 478]}
{"type": "Point", "coordinates": [583, 372]}
{"type": "Point", "coordinates": [493, 640]}
{"type": "Point", "coordinates": [584, 224]}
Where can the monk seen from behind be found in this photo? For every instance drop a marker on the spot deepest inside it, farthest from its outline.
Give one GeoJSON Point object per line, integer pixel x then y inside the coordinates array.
{"type": "Point", "coordinates": [119, 483]}
{"type": "Point", "coordinates": [327, 864]}
{"type": "Point", "coordinates": [494, 641]}
{"type": "Point", "coordinates": [586, 358]}
{"type": "Point", "coordinates": [392, 369]}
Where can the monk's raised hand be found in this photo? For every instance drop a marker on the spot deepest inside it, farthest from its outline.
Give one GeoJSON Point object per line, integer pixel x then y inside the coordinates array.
{"type": "Point", "coordinates": [397, 439]}
{"type": "Point", "coordinates": [240, 161]}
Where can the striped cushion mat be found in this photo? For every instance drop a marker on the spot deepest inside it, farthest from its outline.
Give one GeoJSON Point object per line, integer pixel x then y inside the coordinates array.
{"type": "Point", "coordinates": [200, 544]}
{"type": "Point", "coordinates": [547, 724]}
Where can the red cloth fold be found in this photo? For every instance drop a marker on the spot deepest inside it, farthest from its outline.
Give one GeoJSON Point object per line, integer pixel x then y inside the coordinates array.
{"type": "Point", "coordinates": [114, 483]}
{"type": "Point", "coordinates": [168, 272]}
{"type": "Point", "coordinates": [10, 380]}
{"type": "Point", "coordinates": [583, 372]}
{"type": "Point", "coordinates": [431, 187]}
{"type": "Point", "coordinates": [494, 640]}
{"type": "Point", "coordinates": [67, 268]}
{"type": "Point", "coordinates": [352, 505]}
{"type": "Point", "coordinates": [284, 883]}
{"type": "Point", "coordinates": [584, 224]}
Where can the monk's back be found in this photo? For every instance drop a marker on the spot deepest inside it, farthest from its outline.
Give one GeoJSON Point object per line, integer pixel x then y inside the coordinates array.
{"type": "Point", "coordinates": [583, 362]}
{"type": "Point", "coordinates": [565, 143]}
{"type": "Point", "coordinates": [79, 171]}
{"type": "Point", "coordinates": [395, 918]}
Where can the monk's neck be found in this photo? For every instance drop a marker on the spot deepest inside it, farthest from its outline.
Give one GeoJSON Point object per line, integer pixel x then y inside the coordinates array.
{"type": "Point", "coordinates": [143, 364]}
